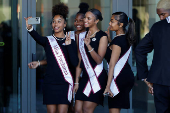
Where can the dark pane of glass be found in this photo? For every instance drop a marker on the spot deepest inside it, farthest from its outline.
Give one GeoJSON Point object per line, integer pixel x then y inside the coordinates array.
{"type": "Point", "coordinates": [10, 57]}
{"type": "Point", "coordinates": [144, 15]}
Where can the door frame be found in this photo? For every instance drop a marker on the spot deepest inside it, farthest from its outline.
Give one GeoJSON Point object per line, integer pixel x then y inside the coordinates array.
{"type": "Point", "coordinates": [28, 85]}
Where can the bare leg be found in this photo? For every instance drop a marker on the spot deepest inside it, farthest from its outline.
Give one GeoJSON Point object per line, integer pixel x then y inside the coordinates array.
{"type": "Point", "coordinates": [62, 108]}
{"type": "Point", "coordinates": [114, 110]}
{"type": "Point", "coordinates": [88, 107]}
{"type": "Point", "coordinates": [52, 108]}
{"type": "Point", "coordinates": [79, 106]}
{"type": "Point", "coordinates": [71, 108]}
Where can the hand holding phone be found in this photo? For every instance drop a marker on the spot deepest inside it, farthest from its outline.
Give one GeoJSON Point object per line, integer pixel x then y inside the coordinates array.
{"type": "Point", "coordinates": [106, 94]}
{"type": "Point", "coordinates": [34, 20]}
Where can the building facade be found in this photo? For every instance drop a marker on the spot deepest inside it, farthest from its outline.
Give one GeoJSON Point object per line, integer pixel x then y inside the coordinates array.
{"type": "Point", "coordinates": [21, 87]}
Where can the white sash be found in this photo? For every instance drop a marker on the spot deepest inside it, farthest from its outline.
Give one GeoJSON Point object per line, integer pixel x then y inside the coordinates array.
{"type": "Point", "coordinates": [118, 68]}
{"type": "Point", "coordinates": [60, 58]}
{"type": "Point", "coordinates": [93, 83]}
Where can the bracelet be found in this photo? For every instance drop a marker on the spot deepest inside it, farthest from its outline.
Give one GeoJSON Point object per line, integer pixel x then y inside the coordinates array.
{"type": "Point", "coordinates": [39, 63]}
{"type": "Point", "coordinates": [76, 83]}
{"type": "Point", "coordinates": [91, 50]}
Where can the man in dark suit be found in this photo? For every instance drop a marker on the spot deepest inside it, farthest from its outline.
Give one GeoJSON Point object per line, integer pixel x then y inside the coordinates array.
{"type": "Point", "coordinates": [158, 77]}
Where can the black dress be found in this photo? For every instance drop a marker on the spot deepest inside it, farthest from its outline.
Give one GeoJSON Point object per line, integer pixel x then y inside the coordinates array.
{"type": "Point", "coordinates": [125, 79]}
{"type": "Point", "coordinates": [55, 88]}
{"type": "Point", "coordinates": [98, 96]}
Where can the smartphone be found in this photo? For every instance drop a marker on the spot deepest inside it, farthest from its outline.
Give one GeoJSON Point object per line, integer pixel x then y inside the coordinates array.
{"type": "Point", "coordinates": [34, 20]}
{"type": "Point", "coordinates": [106, 94]}
{"type": "Point", "coordinates": [74, 100]}
{"type": "Point", "coordinates": [72, 35]}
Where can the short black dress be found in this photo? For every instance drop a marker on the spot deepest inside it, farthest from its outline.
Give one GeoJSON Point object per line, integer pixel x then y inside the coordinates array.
{"type": "Point", "coordinates": [55, 87]}
{"type": "Point", "coordinates": [98, 96]}
{"type": "Point", "coordinates": [125, 79]}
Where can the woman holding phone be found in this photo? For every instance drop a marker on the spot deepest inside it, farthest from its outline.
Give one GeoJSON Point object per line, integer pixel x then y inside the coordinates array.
{"type": "Point", "coordinates": [60, 49]}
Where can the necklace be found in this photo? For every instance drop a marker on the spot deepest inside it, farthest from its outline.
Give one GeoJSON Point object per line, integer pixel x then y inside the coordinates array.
{"type": "Point", "coordinates": [93, 33]}
{"type": "Point", "coordinates": [59, 38]}
{"type": "Point", "coordinates": [119, 35]}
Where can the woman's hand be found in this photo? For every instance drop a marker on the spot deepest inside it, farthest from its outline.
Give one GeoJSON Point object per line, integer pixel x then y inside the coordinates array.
{"type": "Point", "coordinates": [107, 91]}
{"type": "Point", "coordinates": [68, 39]}
{"type": "Point", "coordinates": [33, 65]}
{"type": "Point", "coordinates": [108, 34]}
{"type": "Point", "coordinates": [29, 26]}
{"type": "Point", "coordinates": [87, 39]}
{"type": "Point", "coordinates": [76, 86]}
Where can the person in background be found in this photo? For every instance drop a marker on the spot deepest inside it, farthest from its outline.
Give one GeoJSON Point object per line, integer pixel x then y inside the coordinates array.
{"type": "Point", "coordinates": [59, 48]}
{"type": "Point", "coordinates": [163, 11]}
{"type": "Point", "coordinates": [157, 78]}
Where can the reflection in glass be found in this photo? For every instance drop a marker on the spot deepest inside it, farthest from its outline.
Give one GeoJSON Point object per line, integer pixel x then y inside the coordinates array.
{"type": "Point", "coordinates": [9, 57]}
{"type": "Point", "coordinates": [144, 15]}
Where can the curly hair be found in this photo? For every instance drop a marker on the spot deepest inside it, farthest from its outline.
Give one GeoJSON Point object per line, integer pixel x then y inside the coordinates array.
{"type": "Point", "coordinates": [83, 8]}
{"type": "Point", "coordinates": [60, 9]}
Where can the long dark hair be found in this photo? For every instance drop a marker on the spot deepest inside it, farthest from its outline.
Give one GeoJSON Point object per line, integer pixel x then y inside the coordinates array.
{"type": "Point", "coordinates": [121, 17]}
{"type": "Point", "coordinates": [97, 14]}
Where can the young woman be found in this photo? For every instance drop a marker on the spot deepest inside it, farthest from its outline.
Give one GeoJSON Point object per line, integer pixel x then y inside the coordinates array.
{"type": "Point", "coordinates": [60, 49]}
{"type": "Point", "coordinates": [78, 24]}
{"type": "Point", "coordinates": [120, 76]}
{"type": "Point", "coordinates": [92, 48]}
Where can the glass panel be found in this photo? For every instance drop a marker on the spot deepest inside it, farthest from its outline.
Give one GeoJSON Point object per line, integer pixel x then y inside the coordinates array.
{"type": "Point", "coordinates": [43, 8]}
{"type": "Point", "coordinates": [144, 15]}
{"type": "Point", "coordinates": [10, 57]}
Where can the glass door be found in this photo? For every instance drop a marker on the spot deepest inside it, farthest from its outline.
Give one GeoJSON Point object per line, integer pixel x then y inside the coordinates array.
{"type": "Point", "coordinates": [144, 15]}
{"type": "Point", "coordinates": [10, 57]}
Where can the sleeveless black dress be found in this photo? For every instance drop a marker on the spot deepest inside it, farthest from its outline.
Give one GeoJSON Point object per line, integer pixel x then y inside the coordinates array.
{"type": "Point", "coordinates": [55, 87]}
{"type": "Point", "coordinates": [98, 96]}
{"type": "Point", "coordinates": [125, 79]}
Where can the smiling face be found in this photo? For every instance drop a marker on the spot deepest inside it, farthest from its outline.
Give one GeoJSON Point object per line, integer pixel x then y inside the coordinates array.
{"type": "Point", "coordinates": [90, 19]}
{"type": "Point", "coordinates": [79, 22]}
{"type": "Point", "coordinates": [163, 13]}
{"type": "Point", "coordinates": [113, 24]}
{"type": "Point", "coordinates": [58, 23]}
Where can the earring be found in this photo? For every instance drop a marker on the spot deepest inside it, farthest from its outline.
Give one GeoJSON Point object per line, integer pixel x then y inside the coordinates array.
{"type": "Point", "coordinates": [64, 29]}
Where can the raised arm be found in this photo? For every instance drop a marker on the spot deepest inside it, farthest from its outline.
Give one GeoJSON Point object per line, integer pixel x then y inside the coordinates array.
{"type": "Point", "coordinates": [98, 57]}
{"type": "Point", "coordinates": [38, 38]}
{"type": "Point", "coordinates": [108, 34]}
